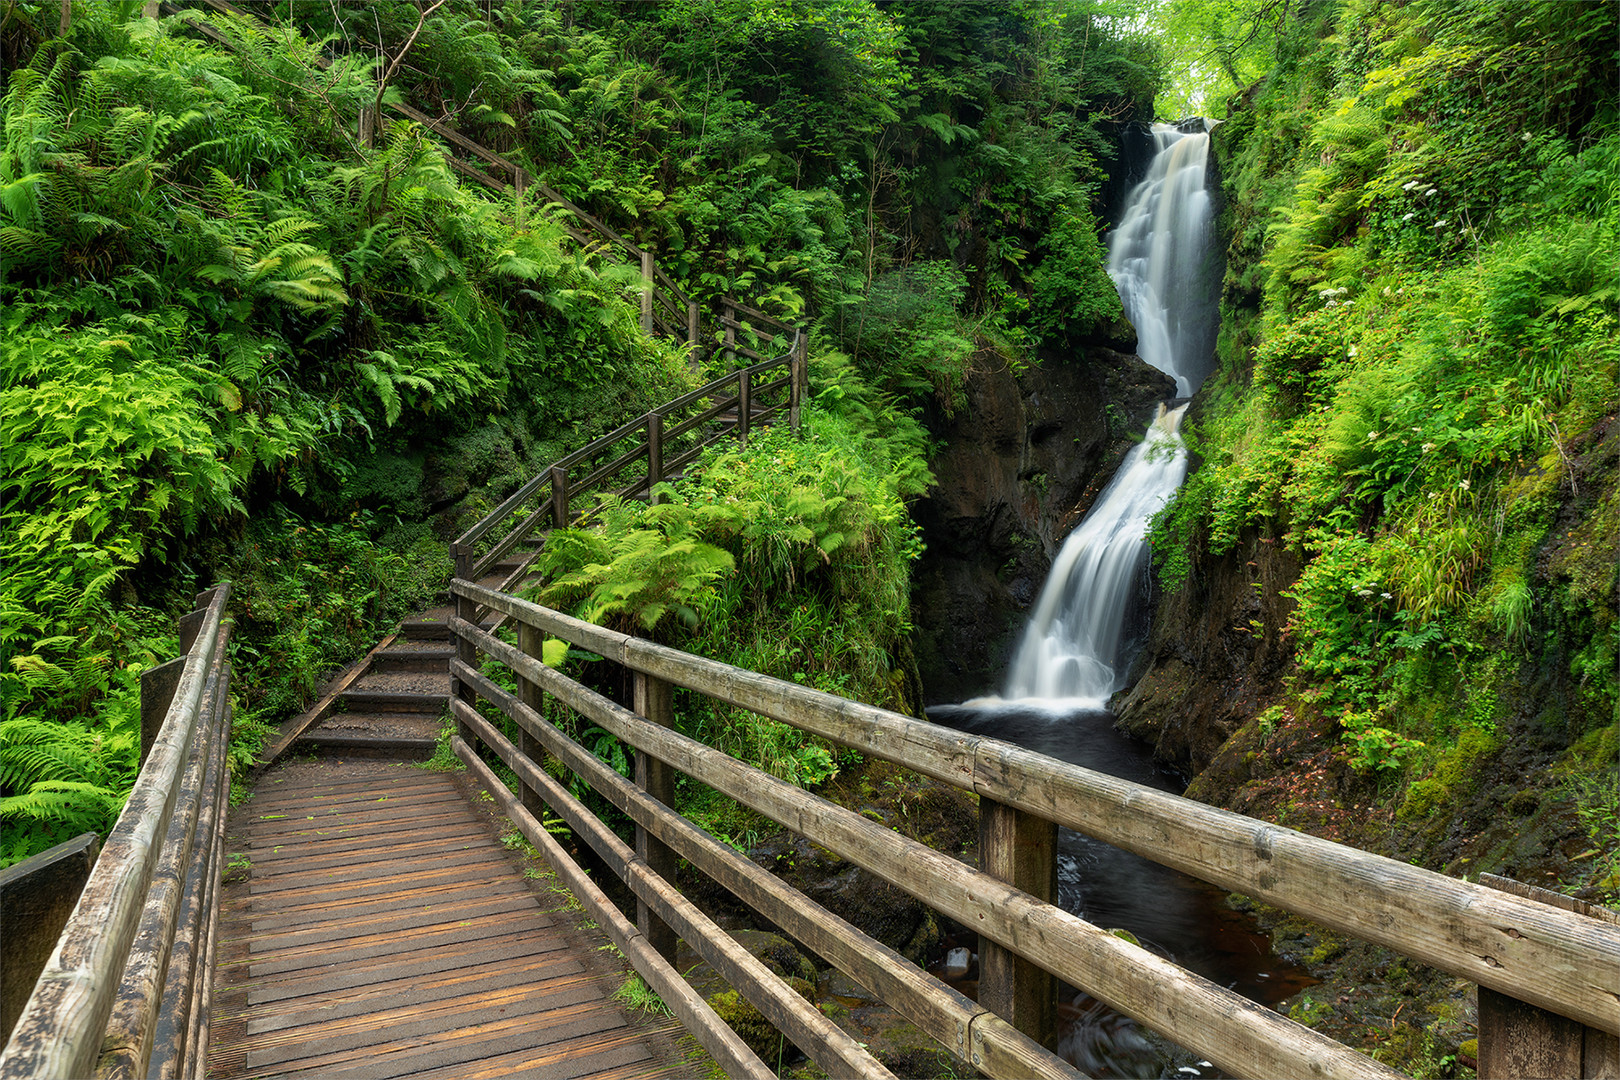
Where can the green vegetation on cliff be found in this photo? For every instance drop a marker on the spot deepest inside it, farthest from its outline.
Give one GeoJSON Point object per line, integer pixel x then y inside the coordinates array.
{"type": "Point", "coordinates": [240, 340]}
{"type": "Point", "coordinates": [1417, 396]}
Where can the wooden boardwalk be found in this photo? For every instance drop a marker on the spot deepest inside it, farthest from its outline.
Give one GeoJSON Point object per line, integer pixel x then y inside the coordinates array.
{"type": "Point", "coordinates": [383, 932]}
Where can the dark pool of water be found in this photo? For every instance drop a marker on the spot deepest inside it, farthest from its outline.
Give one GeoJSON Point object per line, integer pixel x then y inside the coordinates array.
{"type": "Point", "coordinates": [1176, 916]}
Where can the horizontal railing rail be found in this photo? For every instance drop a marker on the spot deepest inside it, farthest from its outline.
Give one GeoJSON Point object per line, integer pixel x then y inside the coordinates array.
{"type": "Point", "coordinates": [1554, 959]}
{"type": "Point", "coordinates": [126, 990]}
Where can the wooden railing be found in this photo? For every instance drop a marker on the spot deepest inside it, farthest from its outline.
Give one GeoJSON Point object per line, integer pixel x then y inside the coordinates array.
{"type": "Point", "coordinates": [631, 460]}
{"type": "Point", "coordinates": [126, 989]}
{"type": "Point", "coordinates": [1534, 953]}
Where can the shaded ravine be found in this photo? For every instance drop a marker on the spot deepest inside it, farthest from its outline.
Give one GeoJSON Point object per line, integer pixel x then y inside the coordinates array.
{"type": "Point", "coordinates": [1077, 646]}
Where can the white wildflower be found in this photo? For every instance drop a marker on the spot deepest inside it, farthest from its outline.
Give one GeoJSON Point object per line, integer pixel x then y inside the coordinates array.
{"type": "Point", "coordinates": [1427, 447]}
{"type": "Point", "coordinates": [1352, 351]}
{"type": "Point", "coordinates": [1431, 191]}
{"type": "Point", "coordinates": [1408, 216]}
{"type": "Point", "coordinates": [1386, 596]}
{"type": "Point", "coordinates": [1410, 184]}
{"type": "Point", "coordinates": [1463, 484]}
{"type": "Point", "coordinates": [1440, 223]}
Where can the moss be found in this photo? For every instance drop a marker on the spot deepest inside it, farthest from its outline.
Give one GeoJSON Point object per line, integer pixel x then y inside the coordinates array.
{"type": "Point", "coordinates": [750, 1024]}
{"type": "Point", "coordinates": [1453, 777]}
{"type": "Point", "coordinates": [1325, 953]}
{"type": "Point", "coordinates": [1594, 751]}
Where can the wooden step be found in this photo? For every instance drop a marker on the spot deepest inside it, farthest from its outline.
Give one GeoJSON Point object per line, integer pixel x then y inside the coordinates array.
{"type": "Point", "coordinates": [380, 701]}
{"type": "Point", "coordinates": [431, 659]}
{"type": "Point", "coordinates": [364, 745]}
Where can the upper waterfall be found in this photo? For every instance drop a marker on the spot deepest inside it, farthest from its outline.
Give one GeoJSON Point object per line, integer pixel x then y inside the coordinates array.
{"type": "Point", "coordinates": [1156, 258]}
{"type": "Point", "coordinates": [1073, 650]}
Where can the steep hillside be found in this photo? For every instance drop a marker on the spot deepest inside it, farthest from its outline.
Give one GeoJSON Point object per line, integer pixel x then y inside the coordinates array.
{"type": "Point", "coordinates": [1389, 588]}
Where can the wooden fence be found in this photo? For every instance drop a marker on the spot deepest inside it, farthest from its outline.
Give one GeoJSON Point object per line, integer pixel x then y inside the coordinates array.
{"type": "Point", "coordinates": [631, 460]}
{"type": "Point", "coordinates": [126, 990]}
{"type": "Point", "coordinates": [1531, 952]}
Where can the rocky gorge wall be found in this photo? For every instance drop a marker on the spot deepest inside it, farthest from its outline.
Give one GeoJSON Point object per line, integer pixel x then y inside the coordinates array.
{"type": "Point", "coordinates": [1022, 461]}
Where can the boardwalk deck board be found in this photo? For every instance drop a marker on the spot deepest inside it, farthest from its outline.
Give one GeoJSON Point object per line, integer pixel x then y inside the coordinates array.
{"type": "Point", "coordinates": [385, 933]}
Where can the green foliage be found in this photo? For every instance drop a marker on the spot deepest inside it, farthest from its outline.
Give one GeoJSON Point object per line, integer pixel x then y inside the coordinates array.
{"type": "Point", "coordinates": [1420, 345]}
{"type": "Point", "coordinates": [309, 597]}
{"type": "Point", "coordinates": [1073, 296]}
{"type": "Point", "coordinates": [634, 561]}
{"type": "Point", "coordinates": [906, 336]}
{"type": "Point", "coordinates": [790, 557]}
{"type": "Point", "coordinates": [1374, 748]}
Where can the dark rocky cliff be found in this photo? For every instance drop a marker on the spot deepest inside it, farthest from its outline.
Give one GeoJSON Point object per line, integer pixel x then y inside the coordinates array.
{"type": "Point", "coordinates": [1022, 461]}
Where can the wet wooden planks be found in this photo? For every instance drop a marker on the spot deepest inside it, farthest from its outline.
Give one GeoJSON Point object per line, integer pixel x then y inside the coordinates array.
{"type": "Point", "coordinates": [383, 933]}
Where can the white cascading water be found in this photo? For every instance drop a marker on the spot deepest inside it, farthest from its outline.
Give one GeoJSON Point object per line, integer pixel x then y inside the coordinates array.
{"type": "Point", "coordinates": [1156, 258]}
{"type": "Point", "coordinates": [1070, 655]}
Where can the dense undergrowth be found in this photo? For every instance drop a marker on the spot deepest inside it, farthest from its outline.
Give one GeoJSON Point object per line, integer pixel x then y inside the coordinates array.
{"type": "Point", "coordinates": [1417, 395]}
{"type": "Point", "coordinates": [239, 341]}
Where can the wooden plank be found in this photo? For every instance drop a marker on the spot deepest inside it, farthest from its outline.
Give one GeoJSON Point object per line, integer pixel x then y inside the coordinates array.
{"type": "Point", "coordinates": [409, 966]}
{"type": "Point", "coordinates": [962, 1026]}
{"type": "Point", "coordinates": [365, 948]}
{"type": "Point", "coordinates": [499, 973]}
{"type": "Point", "coordinates": [359, 850]}
{"type": "Point", "coordinates": [329, 911]}
{"type": "Point", "coordinates": [824, 1042]}
{"type": "Point", "coordinates": [1540, 954]}
{"type": "Point", "coordinates": [588, 1056]}
{"type": "Point", "coordinates": [408, 915]}
{"type": "Point", "coordinates": [295, 727]}
{"type": "Point", "coordinates": [1239, 1035]}
{"type": "Point", "coordinates": [388, 1036]}
{"type": "Point", "coordinates": [723, 1044]}
{"type": "Point", "coordinates": [336, 882]}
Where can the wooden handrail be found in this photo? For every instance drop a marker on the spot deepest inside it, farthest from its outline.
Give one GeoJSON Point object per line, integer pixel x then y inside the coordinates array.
{"type": "Point", "coordinates": [475, 557]}
{"type": "Point", "coordinates": [1239, 1035]}
{"type": "Point", "coordinates": [1530, 951]}
{"type": "Point", "coordinates": [127, 987]}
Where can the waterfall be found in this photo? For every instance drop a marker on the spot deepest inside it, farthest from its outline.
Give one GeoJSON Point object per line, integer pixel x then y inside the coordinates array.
{"type": "Point", "coordinates": [1071, 649]}
{"type": "Point", "coordinates": [1156, 258]}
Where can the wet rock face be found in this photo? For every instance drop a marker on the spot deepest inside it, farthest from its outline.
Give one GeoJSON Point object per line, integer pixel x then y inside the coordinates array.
{"type": "Point", "coordinates": [1022, 461]}
{"type": "Point", "coordinates": [1213, 657]}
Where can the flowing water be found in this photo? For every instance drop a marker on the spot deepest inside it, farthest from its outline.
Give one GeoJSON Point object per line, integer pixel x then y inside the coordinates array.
{"type": "Point", "coordinates": [1076, 649]}
{"type": "Point", "coordinates": [1071, 651]}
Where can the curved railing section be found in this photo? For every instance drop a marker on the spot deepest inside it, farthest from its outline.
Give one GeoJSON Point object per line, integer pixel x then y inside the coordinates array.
{"type": "Point", "coordinates": [1532, 952]}
{"type": "Point", "coordinates": [631, 460]}
{"type": "Point", "coordinates": [126, 990]}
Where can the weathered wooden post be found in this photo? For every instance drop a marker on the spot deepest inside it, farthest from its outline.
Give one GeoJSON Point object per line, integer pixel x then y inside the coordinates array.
{"type": "Point", "coordinates": [731, 336]}
{"type": "Point", "coordinates": [532, 642]}
{"type": "Point", "coordinates": [693, 330]}
{"type": "Point", "coordinates": [559, 497]}
{"type": "Point", "coordinates": [1519, 1041]}
{"type": "Point", "coordinates": [1020, 849]}
{"type": "Point", "coordinates": [465, 608]}
{"type": "Point", "coordinates": [655, 454]}
{"type": "Point", "coordinates": [797, 378]}
{"type": "Point", "coordinates": [647, 292]}
{"type": "Point", "coordinates": [745, 405]}
{"type": "Point", "coordinates": [654, 699]}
